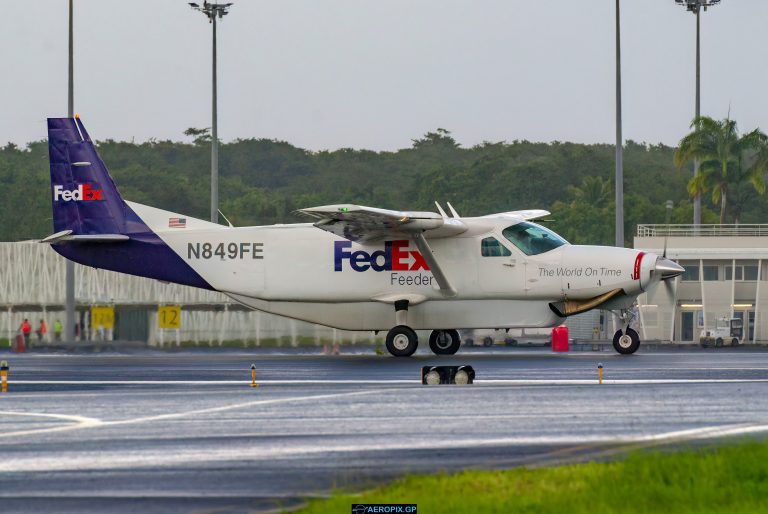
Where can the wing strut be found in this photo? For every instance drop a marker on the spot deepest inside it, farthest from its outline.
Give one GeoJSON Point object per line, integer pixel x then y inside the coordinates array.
{"type": "Point", "coordinates": [437, 272]}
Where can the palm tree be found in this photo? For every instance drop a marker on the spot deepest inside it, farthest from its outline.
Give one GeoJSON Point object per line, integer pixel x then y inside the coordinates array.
{"type": "Point", "coordinates": [724, 158]}
{"type": "Point", "coordinates": [592, 191]}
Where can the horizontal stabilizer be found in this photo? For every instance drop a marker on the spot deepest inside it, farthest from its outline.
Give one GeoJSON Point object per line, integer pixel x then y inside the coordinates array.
{"type": "Point", "coordinates": [66, 236]}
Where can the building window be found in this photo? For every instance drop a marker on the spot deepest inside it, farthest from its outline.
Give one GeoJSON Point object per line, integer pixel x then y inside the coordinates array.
{"type": "Point", "coordinates": [745, 272]}
{"type": "Point", "coordinates": [710, 272]}
{"type": "Point", "coordinates": [491, 247]}
{"type": "Point", "coordinates": [691, 273]}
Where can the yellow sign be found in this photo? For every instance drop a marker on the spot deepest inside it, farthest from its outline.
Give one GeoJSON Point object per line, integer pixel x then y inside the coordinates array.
{"type": "Point", "coordinates": [169, 316]}
{"type": "Point", "coordinates": [102, 317]}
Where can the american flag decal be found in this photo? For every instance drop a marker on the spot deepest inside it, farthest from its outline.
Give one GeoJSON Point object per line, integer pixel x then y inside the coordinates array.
{"type": "Point", "coordinates": [177, 222]}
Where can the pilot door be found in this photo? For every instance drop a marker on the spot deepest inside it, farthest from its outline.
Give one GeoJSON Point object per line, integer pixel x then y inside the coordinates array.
{"type": "Point", "coordinates": [501, 270]}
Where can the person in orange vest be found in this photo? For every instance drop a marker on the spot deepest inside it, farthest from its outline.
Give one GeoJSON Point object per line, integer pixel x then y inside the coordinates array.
{"type": "Point", "coordinates": [41, 330]}
{"type": "Point", "coordinates": [25, 328]}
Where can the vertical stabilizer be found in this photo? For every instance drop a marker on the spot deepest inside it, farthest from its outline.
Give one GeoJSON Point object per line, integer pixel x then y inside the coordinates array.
{"type": "Point", "coordinates": [85, 198]}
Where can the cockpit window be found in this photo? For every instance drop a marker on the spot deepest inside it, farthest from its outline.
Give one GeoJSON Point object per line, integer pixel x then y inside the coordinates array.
{"type": "Point", "coordinates": [533, 239]}
{"type": "Point", "coordinates": [492, 247]}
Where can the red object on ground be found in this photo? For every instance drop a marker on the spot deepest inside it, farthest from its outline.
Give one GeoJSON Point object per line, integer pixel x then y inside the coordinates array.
{"type": "Point", "coordinates": [18, 344]}
{"type": "Point", "coordinates": [560, 339]}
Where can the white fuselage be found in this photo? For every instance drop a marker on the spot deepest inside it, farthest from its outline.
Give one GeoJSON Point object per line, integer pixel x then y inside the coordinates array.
{"type": "Point", "coordinates": [305, 273]}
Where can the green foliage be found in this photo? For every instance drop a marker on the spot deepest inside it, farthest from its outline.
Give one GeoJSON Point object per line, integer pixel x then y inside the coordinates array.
{"type": "Point", "coordinates": [264, 181]}
{"type": "Point", "coordinates": [711, 481]}
{"type": "Point", "coordinates": [732, 167]}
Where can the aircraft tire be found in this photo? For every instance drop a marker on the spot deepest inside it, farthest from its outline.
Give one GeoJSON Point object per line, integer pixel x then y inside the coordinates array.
{"type": "Point", "coordinates": [626, 344]}
{"type": "Point", "coordinates": [402, 341]}
{"type": "Point", "coordinates": [439, 345]}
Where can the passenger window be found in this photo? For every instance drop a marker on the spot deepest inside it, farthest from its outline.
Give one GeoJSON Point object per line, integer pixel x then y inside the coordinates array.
{"type": "Point", "coordinates": [491, 247]}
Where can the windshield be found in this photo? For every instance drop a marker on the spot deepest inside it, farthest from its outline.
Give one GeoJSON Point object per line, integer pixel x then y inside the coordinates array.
{"type": "Point", "coordinates": [533, 239]}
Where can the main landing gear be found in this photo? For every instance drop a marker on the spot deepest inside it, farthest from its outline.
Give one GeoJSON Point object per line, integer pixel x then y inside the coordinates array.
{"type": "Point", "coordinates": [626, 341]}
{"type": "Point", "coordinates": [444, 342]}
{"type": "Point", "coordinates": [402, 340]}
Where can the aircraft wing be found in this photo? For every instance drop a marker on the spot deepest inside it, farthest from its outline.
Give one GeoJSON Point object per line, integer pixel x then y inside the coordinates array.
{"type": "Point", "coordinates": [364, 224]}
{"type": "Point", "coordinates": [528, 214]}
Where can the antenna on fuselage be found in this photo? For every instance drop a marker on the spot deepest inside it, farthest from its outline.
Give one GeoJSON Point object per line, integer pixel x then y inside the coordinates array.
{"type": "Point", "coordinates": [226, 219]}
{"type": "Point", "coordinates": [453, 211]}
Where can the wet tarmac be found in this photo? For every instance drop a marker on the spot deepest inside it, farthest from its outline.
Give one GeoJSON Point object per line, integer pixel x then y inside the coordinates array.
{"type": "Point", "coordinates": [184, 432]}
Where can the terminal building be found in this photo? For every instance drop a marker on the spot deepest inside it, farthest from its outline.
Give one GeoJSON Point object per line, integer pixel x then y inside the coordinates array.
{"type": "Point", "coordinates": [725, 266]}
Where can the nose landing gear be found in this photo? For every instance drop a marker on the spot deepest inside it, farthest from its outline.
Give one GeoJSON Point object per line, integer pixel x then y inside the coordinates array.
{"type": "Point", "coordinates": [626, 341]}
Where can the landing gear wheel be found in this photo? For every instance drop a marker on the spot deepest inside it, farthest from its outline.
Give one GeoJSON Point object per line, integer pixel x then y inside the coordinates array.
{"type": "Point", "coordinates": [444, 342]}
{"type": "Point", "coordinates": [626, 344]}
{"type": "Point", "coordinates": [402, 341]}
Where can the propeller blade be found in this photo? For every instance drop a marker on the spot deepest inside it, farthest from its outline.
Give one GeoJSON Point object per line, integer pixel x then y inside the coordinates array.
{"type": "Point", "coordinates": [668, 285]}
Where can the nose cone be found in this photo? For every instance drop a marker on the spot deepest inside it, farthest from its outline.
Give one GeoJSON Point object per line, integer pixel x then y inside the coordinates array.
{"type": "Point", "coordinates": [667, 268]}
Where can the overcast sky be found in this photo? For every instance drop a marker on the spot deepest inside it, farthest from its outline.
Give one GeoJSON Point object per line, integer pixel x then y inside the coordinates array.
{"type": "Point", "coordinates": [325, 74]}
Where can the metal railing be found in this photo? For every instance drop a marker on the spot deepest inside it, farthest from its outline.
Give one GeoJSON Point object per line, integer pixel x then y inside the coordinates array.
{"type": "Point", "coordinates": [702, 230]}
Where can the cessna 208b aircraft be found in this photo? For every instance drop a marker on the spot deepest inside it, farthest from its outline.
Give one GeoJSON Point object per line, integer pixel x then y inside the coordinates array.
{"type": "Point", "coordinates": [354, 267]}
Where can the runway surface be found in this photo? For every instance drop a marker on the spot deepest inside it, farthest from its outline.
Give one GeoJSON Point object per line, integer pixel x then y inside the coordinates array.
{"type": "Point", "coordinates": [184, 432]}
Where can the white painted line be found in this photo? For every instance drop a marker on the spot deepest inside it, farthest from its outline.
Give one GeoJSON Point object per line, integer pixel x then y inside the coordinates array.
{"type": "Point", "coordinates": [207, 382]}
{"type": "Point", "coordinates": [639, 381]}
{"type": "Point", "coordinates": [79, 422]}
{"type": "Point", "coordinates": [705, 433]}
{"type": "Point", "coordinates": [210, 410]}
{"type": "Point", "coordinates": [150, 458]}
{"type": "Point", "coordinates": [83, 422]}
{"type": "Point", "coordinates": [544, 381]}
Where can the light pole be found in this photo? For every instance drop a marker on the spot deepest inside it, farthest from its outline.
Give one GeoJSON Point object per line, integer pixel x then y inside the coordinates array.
{"type": "Point", "coordinates": [69, 271]}
{"type": "Point", "coordinates": [695, 6]}
{"type": "Point", "coordinates": [213, 11]}
{"type": "Point", "coordinates": [619, 138]}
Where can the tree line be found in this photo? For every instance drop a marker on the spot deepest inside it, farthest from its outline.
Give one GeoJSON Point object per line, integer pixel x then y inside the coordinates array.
{"type": "Point", "coordinates": [264, 181]}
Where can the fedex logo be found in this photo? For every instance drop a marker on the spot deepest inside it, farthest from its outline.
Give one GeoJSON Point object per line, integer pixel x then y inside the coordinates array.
{"type": "Point", "coordinates": [394, 257]}
{"type": "Point", "coordinates": [83, 193]}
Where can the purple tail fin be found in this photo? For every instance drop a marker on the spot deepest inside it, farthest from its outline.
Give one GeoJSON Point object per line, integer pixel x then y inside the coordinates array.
{"type": "Point", "coordinates": [87, 203]}
{"type": "Point", "coordinates": [85, 199]}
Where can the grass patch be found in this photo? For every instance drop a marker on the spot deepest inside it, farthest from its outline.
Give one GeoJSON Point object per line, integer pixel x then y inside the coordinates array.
{"type": "Point", "coordinates": [729, 479]}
